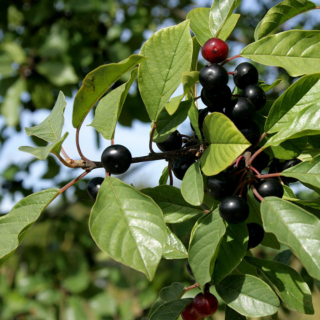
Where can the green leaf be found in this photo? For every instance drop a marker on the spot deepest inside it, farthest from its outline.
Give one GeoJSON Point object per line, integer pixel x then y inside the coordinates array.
{"type": "Point", "coordinates": [303, 94]}
{"type": "Point", "coordinates": [192, 188]}
{"type": "Point", "coordinates": [232, 250]}
{"type": "Point", "coordinates": [246, 268]}
{"type": "Point", "coordinates": [199, 24]}
{"type": "Point", "coordinates": [189, 79]}
{"type": "Point", "coordinates": [267, 87]}
{"type": "Point", "coordinates": [166, 123]}
{"type": "Point", "coordinates": [128, 226]}
{"type": "Point", "coordinates": [170, 310]}
{"type": "Point", "coordinates": [11, 102]}
{"type": "Point", "coordinates": [287, 283]}
{"type": "Point", "coordinates": [57, 72]}
{"type": "Point", "coordinates": [248, 295]}
{"type": "Point", "coordinates": [204, 246]}
{"type": "Point", "coordinates": [169, 55]}
{"type": "Point", "coordinates": [226, 143]}
{"type": "Point", "coordinates": [15, 51]}
{"type": "Point", "coordinates": [290, 149]}
{"type": "Point", "coordinates": [175, 208]}
{"type": "Point", "coordinates": [164, 176]}
{"type": "Point", "coordinates": [97, 83]}
{"type": "Point", "coordinates": [233, 315]}
{"type": "Point", "coordinates": [281, 13]}
{"type": "Point", "coordinates": [172, 292]}
{"type": "Point", "coordinates": [14, 225]}
{"type": "Point", "coordinates": [50, 129]}
{"type": "Point", "coordinates": [174, 248]}
{"type": "Point", "coordinates": [283, 257]}
{"type": "Point", "coordinates": [42, 153]}
{"type": "Point", "coordinates": [296, 228]}
{"type": "Point", "coordinates": [296, 51]}
{"type": "Point", "coordinates": [220, 11]}
{"type": "Point", "coordinates": [109, 108]}
{"type": "Point", "coordinates": [195, 54]}
{"type": "Point", "coordinates": [194, 118]}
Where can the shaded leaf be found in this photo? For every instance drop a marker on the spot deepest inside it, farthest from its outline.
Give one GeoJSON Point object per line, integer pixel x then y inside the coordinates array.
{"type": "Point", "coordinates": [283, 257]}
{"type": "Point", "coordinates": [164, 176]}
{"type": "Point", "coordinates": [170, 310]}
{"type": "Point", "coordinates": [233, 315]}
{"type": "Point", "coordinates": [174, 248]}
{"type": "Point", "coordinates": [172, 292]}
{"type": "Point", "coordinates": [194, 118]}
{"type": "Point", "coordinates": [290, 149]}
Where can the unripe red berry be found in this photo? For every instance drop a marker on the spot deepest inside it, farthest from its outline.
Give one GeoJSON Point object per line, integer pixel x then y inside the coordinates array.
{"type": "Point", "coordinates": [205, 304]}
{"type": "Point", "coordinates": [215, 50]}
{"type": "Point", "coordinates": [189, 313]}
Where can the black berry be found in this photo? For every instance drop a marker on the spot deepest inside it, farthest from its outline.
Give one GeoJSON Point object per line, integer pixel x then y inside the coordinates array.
{"type": "Point", "coordinates": [234, 209]}
{"type": "Point", "coordinates": [93, 187]}
{"type": "Point", "coordinates": [245, 74]}
{"type": "Point", "coordinates": [116, 159]}
{"type": "Point", "coordinates": [202, 115]}
{"type": "Point", "coordinates": [255, 94]}
{"type": "Point", "coordinates": [240, 110]}
{"type": "Point", "coordinates": [215, 50]}
{"type": "Point", "coordinates": [261, 161]}
{"type": "Point", "coordinates": [181, 165]}
{"type": "Point", "coordinates": [173, 142]}
{"type": "Point", "coordinates": [251, 132]}
{"type": "Point", "coordinates": [286, 165]}
{"type": "Point", "coordinates": [205, 304]}
{"type": "Point", "coordinates": [216, 101]}
{"type": "Point", "coordinates": [213, 77]}
{"type": "Point", "coordinates": [221, 185]}
{"type": "Point", "coordinates": [270, 188]}
{"type": "Point", "coordinates": [256, 235]}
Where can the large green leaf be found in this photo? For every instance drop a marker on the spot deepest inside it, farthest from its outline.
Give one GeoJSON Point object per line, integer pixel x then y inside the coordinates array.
{"type": "Point", "coordinates": [192, 187]}
{"type": "Point", "coordinates": [204, 246]}
{"type": "Point", "coordinates": [288, 284]}
{"type": "Point", "coordinates": [50, 129]}
{"type": "Point", "coordinates": [97, 83]}
{"type": "Point", "coordinates": [295, 50]}
{"type": "Point", "coordinates": [281, 13]}
{"type": "Point", "coordinates": [109, 108]}
{"type": "Point", "coordinates": [248, 295]}
{"type": "Point", "coordinates": [170, 310]}
{"type": "Point", "coordinates": [225, 141]}
{"type": "Point", "coordinates": [128, 226]}
{"type": "Point", "coordinates": [169, 199]}
{"type": "Point", "coordinates": [194, 119]}
{"type": "Point", "coordinates": [232, 250]}
{"type": "Point", "coordinates": [284, 257]}
{"type": "Point", "coordinates": [164, 176]}
{"type": "Point", "coordinates": [42, 153]}
{"type": "Point", "coordinates": [233, 315]}
{"type": "Point", "coordinates": [295, 227]}
{"type": "Point", "coordinates": [174, 248]}
{"type": "Point", "coordinates": [169, 54]}
{"type": "Point", "coordinates": [220, 11]}
{"type": "Point", "coordinates": [290, 149]}
{"type": "Point", "coordinates": [14, 225]}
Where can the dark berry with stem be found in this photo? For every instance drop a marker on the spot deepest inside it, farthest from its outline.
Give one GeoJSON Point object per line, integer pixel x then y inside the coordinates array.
{"type": "Point", "coordinates": [213, 77]}
{"type": "Point", "coordinates": [205, 304]}
{"type": "Point", "coordinates": [93, 187]}
{"type": "Point", "coordinates": [255, 94]}
{"type": "Point", "coordinates": [221, 185]}
{"type": "Point", "coordinates": [256, 235]}
{"type": "Point", "coordinates": [173, 142]}
{"type": "Point", "coordinates": [240, 110]}
{"type": "Point", "coordinates": [181, 165]}
{"type": "Point", "coordinates": [234, 209]}
{"type": "Point", "coordinates": [270, 188]}
{"type": "Point", "coordinates": [189, 313]}
{"type": "Point", "coordinates": [215, 50]}
{"type": "Point", "coordinates": [251, 132]}
{"type": "Point", "coordinates": [116, 159]}
{"type": "Point", "coordinates": [216, 101]}
{"type": "Point", "coordinates": [245, 74]}
{"type": "Point", "coordinates": [286, 165]}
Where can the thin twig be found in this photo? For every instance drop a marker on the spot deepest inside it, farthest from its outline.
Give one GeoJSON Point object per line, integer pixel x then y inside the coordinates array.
{"type": "Point", "coordinates": [170, 173]}
{"type": "Point", "coordinates": [255, 170]}
{"type": "Point", "coordinates": [231, 72]}
{"type": "Point", "coordinates": [151, 136]}
{"type": "Point", "coordinates": [112, 141]}
{"type": "Point", "coordinates": [64, 153]}
{"type": "Point", "coordinates": [196, 98]}
{"type": "Point", "coordinates": [73, 181]}
{"type": "Point", "coordinates": [234, 57]}
{"type": "Point", "coordinates": [238, 161]}
{"type": "Point", "coordinates": [256, 193]}
{"type": "Point", "coordinates": [261, 138]}
{"type": "Point", "coordinates": [185, 136]}
{"type": "Point", "coordinates": [254, 156]}
{"type": "Point", "coordinates": [240, 171]}
{"type": "Point", "coordinates": [196, 285]}
{"type": "Point", "coordinates": [78, 145]}
{"type": "Point", "coordinates": [270, 175]}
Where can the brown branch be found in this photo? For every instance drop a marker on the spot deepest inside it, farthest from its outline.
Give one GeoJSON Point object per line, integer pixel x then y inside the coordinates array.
{"type": "Point", "coordinates": [270, 175]}
{"type": "Point", "coordinates": [78, 144]}
{"type": "Point", "coordinates": [234, 57]}
{"type": "Point", "coordinates": [73, 181]}
{"type": "Point", "coordinates": [196, 285]}
{"type": "Point", "coordinates": [261, 138]}
{"type": "Point", "coordinates": [255, 170]}
{"type": "Point", "coordinates": [151, 136]}
{"type": "Point", "coordinates": [64, 153]}
{"type": "Point", "coordinates": [254, 156]}
{"type": "Point", "coordinates": [256, 193]}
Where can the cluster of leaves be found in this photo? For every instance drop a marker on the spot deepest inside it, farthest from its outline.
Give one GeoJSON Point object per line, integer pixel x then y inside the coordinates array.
{"type": "Point", "coordinates": [131, 226]}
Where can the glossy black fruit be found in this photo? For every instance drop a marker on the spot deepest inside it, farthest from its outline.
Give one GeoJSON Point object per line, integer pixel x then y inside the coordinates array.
{"type": "Point", "coordinates": [251, 132]}
{"type": "Point", "coordinates": [221, 185]}
{"type": "Point", "coordinates": [261, 161]}
{"type": "Point", "coordinates": [216, 101]}
{"type": "Point", "coordinates": [93, 187]}
{"type": "Point", "coordinates": [181, 165]}
{"type": "Point", "coordinates": [234, 209]}
{"type": "Point", "coordinates": [173, 142]}
{"type": "Point", "coordinates": [116, 159]}
{"type": "Point", "coordinates": [256, 95]}
{"type": "Point", "coordinates": [286, 165]}
{"type": "Point", "coordinates": [270, 188]}
{"type": "Point", "coordinates": [213, 77]}
{"type": "Point", "coordinates": [245, 74]}
{"type": "Point", "coordinates": [240, 110]}
{"type": "Point", "coordinates": [215, 50]}
{"type": "Point", "coordinates": [256, 235]}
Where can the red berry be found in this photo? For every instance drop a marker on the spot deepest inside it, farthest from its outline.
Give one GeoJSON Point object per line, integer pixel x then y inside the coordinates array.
{"type": "Point", "coordinates": [215, 50]}
{"type": "Point", "coordinates": [205, 304]}
{"type": "Point", "coordinates": [189, 313]}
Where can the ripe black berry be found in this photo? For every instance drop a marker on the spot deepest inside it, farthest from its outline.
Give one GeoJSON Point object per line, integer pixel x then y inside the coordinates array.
{"type": "Point", "coordinates": [213, 77]}
{"type": "Point", "coordinates": [234, 209]}
{"type": "Point", "coordinates": [256, 234]}
{"type": "Point", "coordinates": [215, 50]}
{"type": "Point", "coordinates": [93, 187]}
{"type": "Point", "coordinates": [181, 165]}
{"type": "Point", "coordinates": [205, 304]}
{"type": "Point", "coordinates": [240, 110]}
{"type": "Point", "coordinates": [256, 95]}
{"type": "Point", "coordinates": [261, 161]}
{"type": "Point", "coordinates": [189, 313]}
{"type": "Point", "coordinates": [245, 74]}
{"type": "Point", "coordinates": [221, 185]}
{"type": "Point", "coordinates": [173, 142]}
{"type": "Point", "coordinates": [202, 115]}
{"type": "Point", "coordinates": [286, 165]}
{"type": "Point", "coordinates": [116, 159]}
{"type": "Point", "coordinates": [216, 101]}
{"type": "Point", "coordinates": [270, 188]}
{"type": "Point", "coordinates": [251, 132]}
